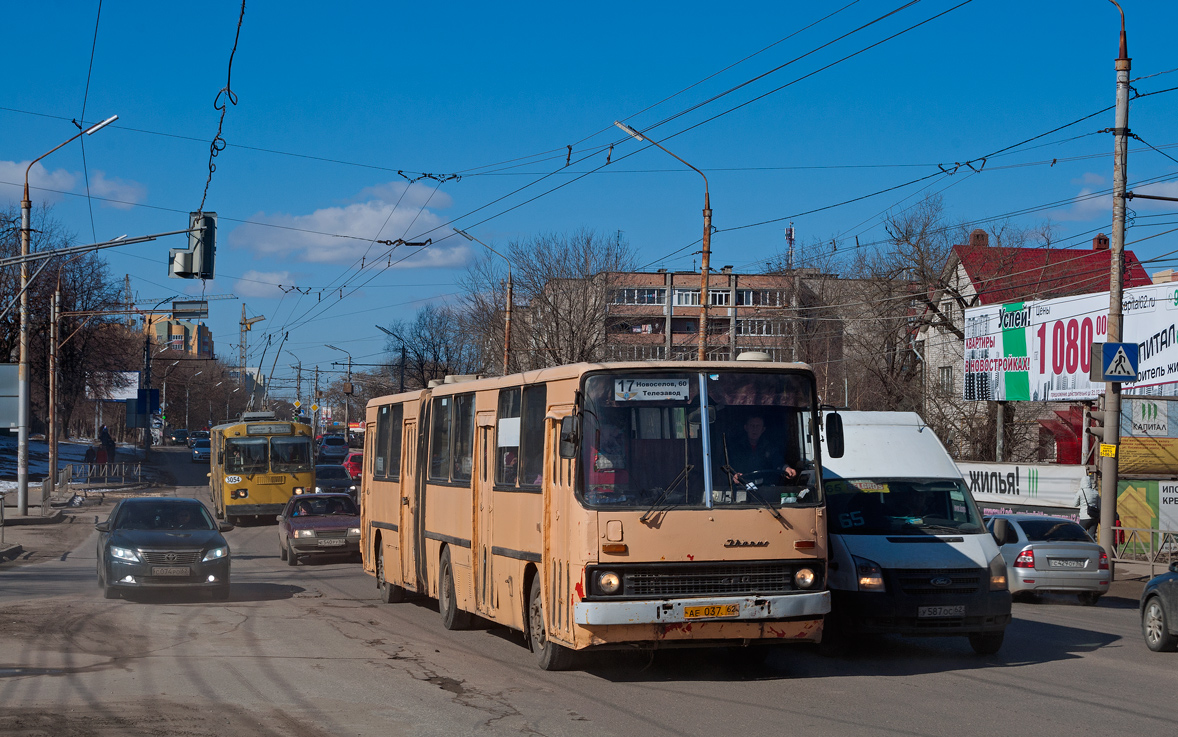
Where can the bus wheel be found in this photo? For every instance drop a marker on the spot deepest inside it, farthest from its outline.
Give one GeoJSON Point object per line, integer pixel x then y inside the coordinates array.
{"type": "Point", "coordinates": [390, 593]}
{"type": "Point", "coordinates": [986, 643]}
{"type": "Point", "coordinates": [453, 618]}
{"type": "Point", "coordinates": [549, 655]}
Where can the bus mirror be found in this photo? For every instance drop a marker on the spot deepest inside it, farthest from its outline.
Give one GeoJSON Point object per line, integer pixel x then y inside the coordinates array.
{"type": "Point", "coordinates": [834, 435]}
{"type": "Point", "coordinates": [570, 433]}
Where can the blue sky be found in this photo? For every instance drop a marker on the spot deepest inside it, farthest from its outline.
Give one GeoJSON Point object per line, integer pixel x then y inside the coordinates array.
{"type": "Point", "coordinates": [344, 98]}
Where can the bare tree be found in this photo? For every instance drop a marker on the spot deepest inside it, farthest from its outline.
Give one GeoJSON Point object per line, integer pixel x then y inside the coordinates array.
{"type": "Point", "coordinates": [438, 342]}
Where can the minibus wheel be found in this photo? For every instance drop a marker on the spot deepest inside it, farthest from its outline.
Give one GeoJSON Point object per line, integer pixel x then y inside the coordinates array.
{"type": "Point", "coordinates": [986, 643]}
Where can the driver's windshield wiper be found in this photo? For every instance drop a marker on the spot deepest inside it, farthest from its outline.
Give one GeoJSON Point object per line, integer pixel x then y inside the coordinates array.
{"type": "Point", "coordinates": [751, 489]}
{"type": "Point", "coordinates": [934, 528]}
{"type": "Point", "coordinates": [679, 478]}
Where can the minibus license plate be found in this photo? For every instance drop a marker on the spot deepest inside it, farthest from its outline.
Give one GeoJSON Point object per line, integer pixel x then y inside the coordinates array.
{"type": "Point", "coordinates": [710, 612]}
{"type": "Point", "coordinates": [330, 542]}
{"type": "Point", "coordinates": [941, 611]}
{"type": "Point", "coordinates": [170, 571]}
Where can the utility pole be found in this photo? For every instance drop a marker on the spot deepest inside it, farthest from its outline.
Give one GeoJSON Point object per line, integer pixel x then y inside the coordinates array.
{"type": "Point", "coordinates": [1109, 475]}
{"type": "Point", "coordinates": [55, 309]}
{"type": "Point", "coordinates": [247, 324]}
{"type": "Point", "coordinates": [315, 413]}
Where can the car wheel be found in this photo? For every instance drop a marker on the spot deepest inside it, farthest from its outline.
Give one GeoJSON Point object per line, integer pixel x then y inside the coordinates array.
{"type": "Point", "coordinates": [390, 593]}
{"type": "Point", "coordinates": [282, 550]}
{"type": "Point", "coordinates": [1156, 629]}
{"type": "Point", "coordinates": [453, 618]}
{"type": "Point", "coordinates": [291, 558]}
{"type": "Point", "coordinates": [549, 655]}
{"type": "Point", "coordinates": [986, 643]}
{"type": "Point", "coordinates": [1088, 598]}
{"type": "Point", "coordinates": [108, 591]}
{"type": "Point", "coordinates": [101, 578]}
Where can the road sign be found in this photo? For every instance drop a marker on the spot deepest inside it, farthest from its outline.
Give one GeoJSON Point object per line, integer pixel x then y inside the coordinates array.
{"type": "Point", "coordinates": [298, 404]}
{"type": "Point", "coordinates": [1108, 451]}
{"type": "Point", "coordinates": [1119, 361]}
{"type": "Point", "coordinates": [314, 408]}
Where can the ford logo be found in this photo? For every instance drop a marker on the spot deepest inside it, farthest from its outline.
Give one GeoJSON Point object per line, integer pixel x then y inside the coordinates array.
{"type": "Point", "coordinates": [941, 581]}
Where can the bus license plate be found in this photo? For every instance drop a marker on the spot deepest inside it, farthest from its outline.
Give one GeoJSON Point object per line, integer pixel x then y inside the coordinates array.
{"type": "Point", "coordinates": [330, 542]}
{"type": "Point", "coordinates": [170, 571]}
{"type": "Point", "coordinates": [711, 612]}
{"type": "Point", "coordinates": [941, 611]}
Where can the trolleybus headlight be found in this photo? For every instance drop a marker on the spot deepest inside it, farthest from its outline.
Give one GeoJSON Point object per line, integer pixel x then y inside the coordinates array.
{"type": "Point", "coordinates": [609, 582]}
{"type": "Point", "coordinates": [353, 532]}
{"type": "Point", "coordinates": [299, 490]}
{"type": "Point", "coordinates": [804, 578]}
{"type": "Point", "coordinates": [304, 533]}
{"type": "Point", "coordinates": [124, 554]}
{"type": "Point", "coordinates": [239, 494]}
{"type": "Point", "coordinates": [868, 574]}
{"type": "Point", "coordinates": [216, 553]}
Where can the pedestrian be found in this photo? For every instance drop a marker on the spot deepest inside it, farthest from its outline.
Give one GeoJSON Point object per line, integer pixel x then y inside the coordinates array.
{"type": "Point", "coordinates": [1088, 502]}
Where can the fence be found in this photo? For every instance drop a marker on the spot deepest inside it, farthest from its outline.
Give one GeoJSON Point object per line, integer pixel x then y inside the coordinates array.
{"type": "Point", "coordinates": [102, 473]}
{"type": "Point", "coordinates": [1144, 545]}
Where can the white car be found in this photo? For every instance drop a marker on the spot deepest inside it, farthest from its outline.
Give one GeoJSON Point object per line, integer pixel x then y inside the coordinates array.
{"type": "Point", "coordinates": [1050, 555]}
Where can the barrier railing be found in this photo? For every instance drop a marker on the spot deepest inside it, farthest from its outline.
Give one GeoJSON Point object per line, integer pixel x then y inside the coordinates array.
{"type": "Point", "coordinates": [1145, 545]}
{"type": "Point", "coordinates": [103, 473]}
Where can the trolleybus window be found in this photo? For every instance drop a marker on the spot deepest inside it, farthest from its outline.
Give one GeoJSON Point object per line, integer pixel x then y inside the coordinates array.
{"type": "Point", "coordinates": [439, 445]}
{"type": "Point", "coordinates": [520, 439]}
{"type": "Point", "coordinates": [245, 455]}
{"type": "Point", "coordinates": [463, 437]}
{"type": "Point", "coordinates": [532, 435]}
{"type": "Point", "coordinates": [507, 438]}
{"type": "Point", "coordinates": [290, 455]}
{"type": "Point", "coordinates": [384, 417]}
{"type": "Point", "coordinates": [651, 440]}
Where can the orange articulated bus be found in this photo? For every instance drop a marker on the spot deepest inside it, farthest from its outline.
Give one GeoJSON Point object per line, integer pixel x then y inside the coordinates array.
{"type": "Point", "coordinates": [605, 505]}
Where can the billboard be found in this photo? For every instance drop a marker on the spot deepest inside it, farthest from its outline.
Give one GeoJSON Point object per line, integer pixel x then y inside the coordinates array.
{"type": "Point", "coordinates": [1149, 436]}
{"type": "Point", "coordinates": [113, 386]}
{"type": "Point", "coordinates": [9, 394]}
{"type": "Point", "coordinates": [1050, 486]}
{"type": "Point", "coordinates": [1040, 350]}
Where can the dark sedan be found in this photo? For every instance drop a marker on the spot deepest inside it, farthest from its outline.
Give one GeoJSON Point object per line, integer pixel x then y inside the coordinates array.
{"type": "Point", "coordinates": [161, 542]}
{"type": "Point", "coordinates": [318, 524]}
{"type": "Point", "coordinates": [1159, 611]}
{"type": "Point", "coordinates": [334, 479]}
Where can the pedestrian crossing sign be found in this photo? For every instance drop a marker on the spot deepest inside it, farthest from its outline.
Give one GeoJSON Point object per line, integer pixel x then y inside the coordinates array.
{"type": "Point", "coordinates": [1119, 361]}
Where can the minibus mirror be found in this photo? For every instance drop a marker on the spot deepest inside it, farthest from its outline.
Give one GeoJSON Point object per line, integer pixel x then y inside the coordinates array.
{"type": "Point", "coordinates": [834, 435]}
{"type": "Point", "coordinates": [570, 432]}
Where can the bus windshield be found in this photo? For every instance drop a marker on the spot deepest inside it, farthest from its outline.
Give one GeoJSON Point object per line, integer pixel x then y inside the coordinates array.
{"type": "Point", "coordinates": [688, 439]}
{"type": "Point", "coordinates": [245, 455]}
{"type": "Point", "coordinates": [290, 455]}
{"type": "Point", "coordinates": [890, 506]}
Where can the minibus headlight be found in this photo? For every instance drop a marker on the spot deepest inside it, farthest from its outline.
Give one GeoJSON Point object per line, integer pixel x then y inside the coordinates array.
{"type": "Point", "coordinates": [998, 573]}
{"type": "Point", "coordinates": [609, 582]}
{"type": "Point", "coordinates": [804, 578]}
{"type": "Point", "coordinates": [868, 574]}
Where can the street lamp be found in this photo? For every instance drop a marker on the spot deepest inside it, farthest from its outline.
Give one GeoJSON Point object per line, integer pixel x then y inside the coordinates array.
{"type": "Point", "coordinates": [187, 386]}
{"type": "Point", "coordinates": [227, 398]}
{"type": "Point", "coordinates": [507, 311]}
{"type": "Point", "coordinates": [164, 398]}
{"type": "Point", "coordinates": [22, 402]}
{"type": "Point", "coordinates": [388, 332]}
{"type": "Point", "coordinates": [703, 290]}
{"type": "Point", "coordinates": [347, 391]}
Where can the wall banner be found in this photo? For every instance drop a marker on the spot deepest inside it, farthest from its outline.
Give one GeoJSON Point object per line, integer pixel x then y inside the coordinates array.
{"type": "Point", "coordinates": [1040, 351]}
{"type": "Point", "coordinates": [1024, 484]}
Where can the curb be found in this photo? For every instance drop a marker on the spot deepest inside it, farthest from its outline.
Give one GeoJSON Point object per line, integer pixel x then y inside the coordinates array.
{"type": "Point", "coordinates": [49, 519]}
{"type": "Point", "coordinates": [10, 551]}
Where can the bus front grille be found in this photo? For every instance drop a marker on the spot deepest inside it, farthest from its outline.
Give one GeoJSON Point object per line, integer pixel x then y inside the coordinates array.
{"type": "Point", "coordinates": [707, 579]}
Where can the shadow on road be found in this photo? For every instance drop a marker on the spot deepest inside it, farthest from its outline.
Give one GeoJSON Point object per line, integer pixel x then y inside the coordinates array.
{"type": "Point", "coordinates": [238, 592]}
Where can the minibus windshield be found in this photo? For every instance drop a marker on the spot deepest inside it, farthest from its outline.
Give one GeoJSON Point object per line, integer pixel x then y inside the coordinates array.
{"type": "Point", "coordinates": [905, 506]}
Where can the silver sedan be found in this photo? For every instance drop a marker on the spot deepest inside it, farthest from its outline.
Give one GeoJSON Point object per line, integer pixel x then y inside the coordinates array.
{"type": "Point", "coordinates": [1050, 554]}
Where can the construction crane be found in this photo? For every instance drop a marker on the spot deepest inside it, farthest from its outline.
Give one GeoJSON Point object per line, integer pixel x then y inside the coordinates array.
{"type": "Point", "coordinates": [247, 324]}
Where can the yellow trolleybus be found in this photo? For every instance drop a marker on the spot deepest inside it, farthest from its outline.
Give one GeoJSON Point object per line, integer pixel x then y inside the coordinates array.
{"type": "Point", "coordinates": [257, 464]}
{"type": "Point", "coordinates": [606, 505]}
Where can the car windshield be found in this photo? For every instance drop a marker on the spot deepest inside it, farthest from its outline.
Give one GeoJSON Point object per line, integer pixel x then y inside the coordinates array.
{"type": "Point", "coordinates": [332, 472]}
{"type": "Point", "coordinates": [245, 455]}
{"type": "Point", "coordinates": [164, 516]}
{"type": "Point", "coordinates": [334, 441]}
{"type": "Point", "coordinates": [1053, 530]}
{"type": "Point", "coordinates": [649, 440]}
{"type": "Point", "coordinates": [889, 506]}
{"type": "Point", "coordinates": [290, 455]}
{"type": "Point", "coordinates": [201, 444]}
{"type": "Point", "coordinates": [336, 505]}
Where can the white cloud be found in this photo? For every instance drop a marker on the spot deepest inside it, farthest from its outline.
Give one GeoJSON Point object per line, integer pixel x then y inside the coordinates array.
{"type": "Point", "coordinates": [1160, 189]}
{"type": "Point", "coordinates": [1090, 208]}
{"type": "Point", "coordinates": [1090, 179]}
{"type": "Point", "coordinates": [40, 177]}
{"type": "Point", "coordinates": [126, 193]}
{"type": "Point", "coordinates": [255, 283]}
{"type": "Point", "coordinates": [373, 214]}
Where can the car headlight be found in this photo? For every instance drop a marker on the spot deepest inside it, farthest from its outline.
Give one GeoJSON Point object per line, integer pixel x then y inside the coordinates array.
{"type": "Point", "coordinates": [804, 578]}
{"type": "Point", "coordinates": [304, 533]}
{"type": "Point", "coordinates": [868, 574]}
{"type": "Point", "coordinates": [352, 487]}
{"type": "Point", "coordinates": [124, 554]}
{"type": "Point", "coordinates": [353, 532]}
{"type": "Point", "coordinates": [609, 582]}
{"type": "Point", "coordinates": [998, 574]}
{"type": "Point", "coordinates": [215, 553]}
{"type": "Point", "coordinates": [318, 489]}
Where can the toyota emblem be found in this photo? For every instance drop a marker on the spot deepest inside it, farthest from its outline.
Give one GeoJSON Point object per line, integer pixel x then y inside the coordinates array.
{"type": "Point", "coordinates": [170, 557]}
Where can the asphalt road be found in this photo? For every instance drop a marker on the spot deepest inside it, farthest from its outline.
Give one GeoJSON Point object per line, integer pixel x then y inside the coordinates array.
{"type": "Point", "coordinates": [311, 651]}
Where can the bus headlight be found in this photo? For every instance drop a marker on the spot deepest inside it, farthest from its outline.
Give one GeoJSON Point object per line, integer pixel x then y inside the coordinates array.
{"type": "Point", "coordinates": [609, 582]}
{"type": "Point", "coordinates": [304, 533]}
{"type": "Point", "coordinates": [868, 574]}
{"type": "Point", "coordinates": [804, 578]}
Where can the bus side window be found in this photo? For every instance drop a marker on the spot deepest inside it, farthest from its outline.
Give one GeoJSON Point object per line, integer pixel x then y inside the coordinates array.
{"type": "Point", "coordinates": [393, 465]}
{"type": "Point", "coordinates": [463, 437]}
{"type": "Point", "coordinates": [507, 438]}
{"type": "Point", "coordinates": [535, 406]}
{"type": "Point", "coordinates": [380, 461]}
{"type": "Point", "coordinates": [439, 442]}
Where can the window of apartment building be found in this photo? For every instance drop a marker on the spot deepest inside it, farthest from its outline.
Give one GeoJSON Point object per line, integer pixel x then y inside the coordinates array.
{"type": "Point", "coordinates": [947, 309]}
{"type": "Point", "coordinates": [686, 297]}
{"type": "Point", "coordinates": [640, 296]}
{"type": "Point", "coordinates": [759, 327]}
{"type": "Point", "coordinates": [684, 325]}
{"type": "Point", "coordinates": [719, 297]}
{"type": "Point", "coordinates": [719, 327]}
{"type": "Point", "coordinates": [637, 352]}
{"type": "Point", "coordinates": [945, 380]}
{"type": "Point", "coordinates": [762, 298]}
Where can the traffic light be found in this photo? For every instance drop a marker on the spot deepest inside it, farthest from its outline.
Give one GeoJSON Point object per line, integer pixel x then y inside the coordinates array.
{"type": "Point", "coordinates": [196, 262]}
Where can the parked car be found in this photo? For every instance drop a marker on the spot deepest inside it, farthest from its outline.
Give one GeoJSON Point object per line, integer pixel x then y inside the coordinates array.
{"type": "Point", "coordinates": [201, 451]}
{"type": "Point", "coordinates": [178, 436]}
{"type": "Point", "coordinates": [162, 542]}
{"type": "Point", "coordinates": [197, 435]}
{"type": "Point", "coordinates": [318, 524]}
{"type": "Point", "coordinates": [334, 479]}
{"type": "Point", "coordinates": [1159, 611]}
{"type": "Point", "coordinates": [332, 449]}
{"type": "Point", "coordinates": [1050, 554]}
{"type": "Point", "coordinates": [354, 463]}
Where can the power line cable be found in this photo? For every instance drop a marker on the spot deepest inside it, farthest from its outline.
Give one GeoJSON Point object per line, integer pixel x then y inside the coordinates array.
{"type": "Point", "coordinates": [218, 143]}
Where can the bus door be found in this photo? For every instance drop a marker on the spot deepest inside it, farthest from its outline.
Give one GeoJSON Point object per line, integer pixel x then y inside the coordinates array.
{"type": "Point", "coordinates": [364, 498]}
{"type": "Point", "coordinates": [484, 482]}
{"type": "Point", "coordinates": [558, 495]}
{"type": "Point", "coordinates": [407, 526]}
